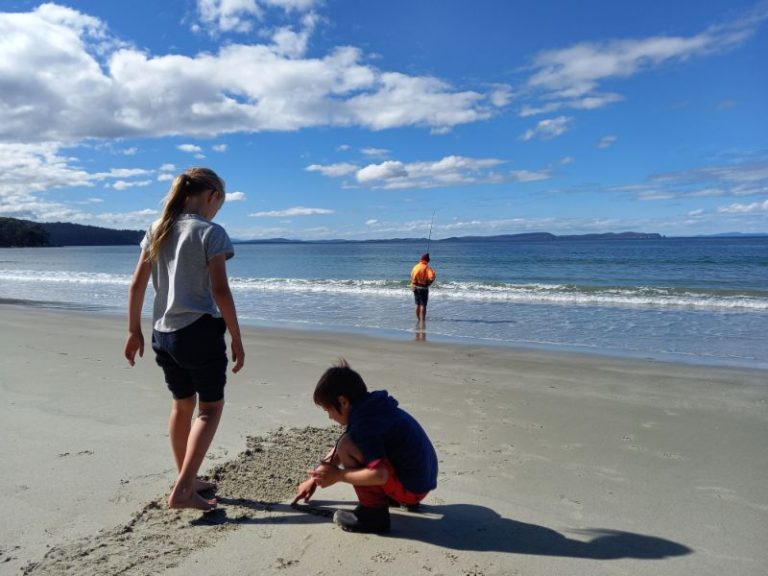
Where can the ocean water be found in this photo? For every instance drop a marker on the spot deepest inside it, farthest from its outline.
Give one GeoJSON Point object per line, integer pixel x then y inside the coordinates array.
{"type": "Point", "coordinates": [682, 299]}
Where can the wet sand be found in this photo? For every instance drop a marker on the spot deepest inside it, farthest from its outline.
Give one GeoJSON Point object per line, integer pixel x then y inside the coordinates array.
{"type": "Point", "coordinates": [550, 463]}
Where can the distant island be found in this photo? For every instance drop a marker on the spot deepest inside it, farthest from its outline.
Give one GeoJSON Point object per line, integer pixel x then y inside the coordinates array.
{"type": "Point", "coordinates": [525, 237]}
{"type": "Point", "coordinates": [25, 233]}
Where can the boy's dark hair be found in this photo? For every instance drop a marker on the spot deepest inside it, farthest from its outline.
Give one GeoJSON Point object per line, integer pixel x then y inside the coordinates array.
{"type": "Point", "coordinates": [339, 380]}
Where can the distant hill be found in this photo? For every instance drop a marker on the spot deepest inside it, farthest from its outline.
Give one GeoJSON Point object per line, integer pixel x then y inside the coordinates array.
{"type": "Point", "coordinates": [736, 235]}
{"type": "Point", "coordinates": [23, 233]}
{"type": "Point", "coordinates": [20, 233]}
{"type": "Point", "coordinates": [546, 236]}
{"type": "Point", "coordinates": [526, 237]}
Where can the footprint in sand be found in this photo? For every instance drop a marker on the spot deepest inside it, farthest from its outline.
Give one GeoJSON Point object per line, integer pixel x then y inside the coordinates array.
{"type": "Point", "coordinates": [385, 557]}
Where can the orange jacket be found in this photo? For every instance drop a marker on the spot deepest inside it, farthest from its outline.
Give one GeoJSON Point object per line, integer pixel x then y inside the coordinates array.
{"type": "Point", "coordinates": [422, 275]}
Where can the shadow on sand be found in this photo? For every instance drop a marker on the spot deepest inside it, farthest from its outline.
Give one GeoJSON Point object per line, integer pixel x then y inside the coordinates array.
{"type": "Point", "coordinates": [471, 527]}
{"type": "Point", "coordinates": [476, 528]}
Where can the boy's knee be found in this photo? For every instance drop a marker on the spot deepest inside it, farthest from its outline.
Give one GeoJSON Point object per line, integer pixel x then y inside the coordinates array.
{"type": "Point", "coordinates": [349, 454]}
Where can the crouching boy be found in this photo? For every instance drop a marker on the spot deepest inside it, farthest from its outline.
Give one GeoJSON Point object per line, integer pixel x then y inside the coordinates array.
{"type": "Point", "coordinates": [384, 452]}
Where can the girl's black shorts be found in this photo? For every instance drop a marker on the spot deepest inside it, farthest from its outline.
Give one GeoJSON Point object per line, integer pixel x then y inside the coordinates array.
{"type": "Point", "coordinates": [194, 359]}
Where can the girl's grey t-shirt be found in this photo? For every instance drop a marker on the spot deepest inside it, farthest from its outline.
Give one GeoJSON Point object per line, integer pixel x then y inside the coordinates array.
{"type": "Point", "coordinates": [180, 272]}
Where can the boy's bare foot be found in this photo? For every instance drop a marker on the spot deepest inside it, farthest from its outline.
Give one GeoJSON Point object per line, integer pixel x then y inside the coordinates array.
{"type": "Point", "coordinates": [181, 499]}
{"type": "Point", "coordinates": [203, 485]}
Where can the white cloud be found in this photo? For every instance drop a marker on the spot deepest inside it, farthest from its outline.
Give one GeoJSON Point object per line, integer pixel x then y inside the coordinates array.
{"type": "Point", "coordinates": [61, 15]}
{"type": "Point", "coordinates": [384, 171]}
{"type": "Point", "coordinates": [165, 177]}
{"type": "Point", "coordinates": [295, 211]}
{"type": "Point", "coordinates": [130, 151]}
{"type": "Point", "coordinates": [371, 222]}
{"type": "Point", "coordinates": [565, 160]}
{"type": "Point", "coordinates": [654, 195]}
{"type": "Point", "coordinates": [65, 80]}
{"type": "Point", "coordinates": [242, 15]}
{"type": "Point", "coordinates": [500, 96]}
{"type": "Point", "coordinates": [190, 148]}
{"type": "Point", "coordinates": [548, 129]}
{"type": "Point", "coordinates": [401, 100]}
{"type": "Point", "coordinates": [219, 147]}
{"type": "Point", "coordinates": [606, 142]}
{"type": "Point", "coordinates": [744, 208]}
{"type": "Point", "coordinates": [571, 77]}
{"type": "Point", "coordinates": [291, 44]}
{"type": "Point", "coordinates": [450, 171]}
{"type": "Point", "coordinates": [229, 15]}
{"type": "Point", "coordinates": [536, 110]}
{"type": "Point", "coordinates": [124, 184]}
{"type": "Point", "coordinates": [333, 170]}
{"type": "Point", "coordinates": [374, 151]}
{"type": "Point", "coordinates": [30, 170]}
{"type": "Point", "coordinates": [235, 196]}
{"type": "Point", "coordinates": [123, 173]}
{"type": "Point", "coordinates": [747, 177]}
{"type": "Point", "coordinates": [168, 167]}
{"type": "Point", "coordinates": [530, 176]}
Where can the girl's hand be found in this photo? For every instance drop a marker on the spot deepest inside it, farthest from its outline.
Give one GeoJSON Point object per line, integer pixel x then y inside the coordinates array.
{"type": "Point", "coordinates": [134, 343]}
{"type": "Point", "coordinates": [238, 355]}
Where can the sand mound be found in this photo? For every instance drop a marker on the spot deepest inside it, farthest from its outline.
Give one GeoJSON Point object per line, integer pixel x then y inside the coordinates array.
{"type": "Point", "coordinates": [266, 473]}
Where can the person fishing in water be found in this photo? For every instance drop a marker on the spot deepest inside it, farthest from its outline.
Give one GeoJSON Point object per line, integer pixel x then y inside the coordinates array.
{"type": "Point", "coordinates": [422, 277]}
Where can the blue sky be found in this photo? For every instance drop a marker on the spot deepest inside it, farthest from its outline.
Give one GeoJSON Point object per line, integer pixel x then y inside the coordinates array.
{"type": "Point", "coordinates": [350, 119]}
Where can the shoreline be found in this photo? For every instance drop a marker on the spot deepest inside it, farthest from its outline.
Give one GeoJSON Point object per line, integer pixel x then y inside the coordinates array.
{"type": "Point", "coordinates": [549, 462]}
{"type": "Point", "coordinates": [405, 336]}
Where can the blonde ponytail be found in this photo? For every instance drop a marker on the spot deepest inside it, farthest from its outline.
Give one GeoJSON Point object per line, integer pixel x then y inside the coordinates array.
{"type": "Point", "coordinates": [192, 182]}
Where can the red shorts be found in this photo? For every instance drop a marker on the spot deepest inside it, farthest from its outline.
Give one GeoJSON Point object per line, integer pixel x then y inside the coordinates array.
{"type": "Point", "coordinates": [379, 496]}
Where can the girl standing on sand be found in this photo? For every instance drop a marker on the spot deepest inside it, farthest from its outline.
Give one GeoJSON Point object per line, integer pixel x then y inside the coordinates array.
{"type": "Point", "coordinates": [185, 254]}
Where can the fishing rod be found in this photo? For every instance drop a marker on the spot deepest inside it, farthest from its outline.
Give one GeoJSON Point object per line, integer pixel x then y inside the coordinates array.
{"type": "Point", "coordinates": [429, 240]}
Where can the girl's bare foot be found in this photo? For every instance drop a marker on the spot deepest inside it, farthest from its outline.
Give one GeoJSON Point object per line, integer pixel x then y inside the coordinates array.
{"type": "Point", "coordinates": [203, 485]}
{"type": "Point", "coordinates": [190, 499]}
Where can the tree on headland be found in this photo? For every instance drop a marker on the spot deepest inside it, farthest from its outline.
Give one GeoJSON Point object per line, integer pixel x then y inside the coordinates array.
{"type": "Point", "coordinates": [21, 233]}
{"type": "Point", "coordinates": [68, 234]}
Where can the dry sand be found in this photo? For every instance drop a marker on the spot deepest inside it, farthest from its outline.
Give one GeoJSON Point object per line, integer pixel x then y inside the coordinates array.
{"type": "Point", "coordinates": [550, 463]}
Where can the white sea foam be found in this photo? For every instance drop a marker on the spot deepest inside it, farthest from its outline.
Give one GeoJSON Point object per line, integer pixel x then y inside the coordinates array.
{"type": "Point", "coordinates": [631, 296]}
{"type": "Point", "coordinates": [64, 277]}
{"type": "Point", "coordinates": [553, 294]}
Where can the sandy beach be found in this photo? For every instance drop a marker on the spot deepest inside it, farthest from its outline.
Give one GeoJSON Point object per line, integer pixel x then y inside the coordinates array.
{"type": "Point", "coordinates": [550, 463]}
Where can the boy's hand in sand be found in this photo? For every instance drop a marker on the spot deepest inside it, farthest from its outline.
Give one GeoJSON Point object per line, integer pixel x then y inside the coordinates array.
{"type": "Point", "coordinates": [305, 491]}
{"type": "Point", "coordinates": [134, 343]}
{"type": "Point", "coordinates": [325, 475]}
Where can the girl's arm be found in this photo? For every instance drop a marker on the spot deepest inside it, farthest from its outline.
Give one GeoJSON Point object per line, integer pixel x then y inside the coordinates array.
{"type": "Point", "coordinates": [135, 341]}
{"type": "Point", "coordinates": [222, 295]}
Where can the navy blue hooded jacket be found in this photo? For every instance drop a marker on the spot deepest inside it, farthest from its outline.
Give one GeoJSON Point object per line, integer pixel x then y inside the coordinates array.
{"type": "Point", "coordinates": [382, 430]}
